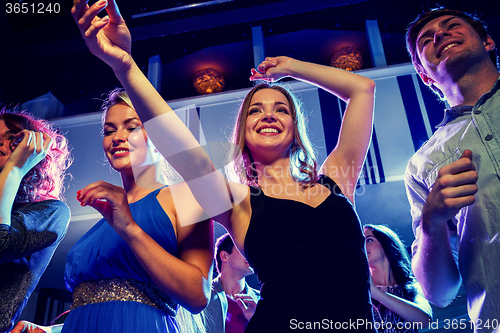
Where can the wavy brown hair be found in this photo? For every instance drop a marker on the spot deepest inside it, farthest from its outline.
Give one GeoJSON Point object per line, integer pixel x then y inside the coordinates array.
{"type": "Point", "coordinates": [46, 179]}
{"type": "Point", "coordinates": [303, 165]}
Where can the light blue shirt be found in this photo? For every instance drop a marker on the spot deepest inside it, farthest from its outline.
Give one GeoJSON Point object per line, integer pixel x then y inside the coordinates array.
{"type": "Point", "coordinates": [475, 230]}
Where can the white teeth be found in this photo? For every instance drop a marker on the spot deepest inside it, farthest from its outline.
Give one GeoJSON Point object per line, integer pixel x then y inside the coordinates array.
{"type": "Point", "coordinates": [448, 47]}
{"type": "Point", "coordinates": [120, 151]}
{"type": "Point", "coordinates": [268, 130]}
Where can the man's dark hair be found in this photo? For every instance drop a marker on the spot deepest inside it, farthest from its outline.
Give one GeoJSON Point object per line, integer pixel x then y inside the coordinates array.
{"type": "Point", "coordinates": [224, 243]}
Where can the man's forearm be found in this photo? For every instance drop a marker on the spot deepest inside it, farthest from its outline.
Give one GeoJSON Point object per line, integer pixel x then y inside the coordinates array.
{"type": "Point", "coordinates": [434, 266]}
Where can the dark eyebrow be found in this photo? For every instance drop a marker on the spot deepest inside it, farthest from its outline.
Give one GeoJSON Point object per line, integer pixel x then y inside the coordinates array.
{"type": "Point", "coordinates": [126, 121]}
{"type": "Point", "coordinates": [428, 31]}
{"type": "Point", "coordinates": [275, 103]}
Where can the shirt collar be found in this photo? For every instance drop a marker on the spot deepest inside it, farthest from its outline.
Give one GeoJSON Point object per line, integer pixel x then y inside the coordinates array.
{"type": "Point", "coordinates": [453, 113]}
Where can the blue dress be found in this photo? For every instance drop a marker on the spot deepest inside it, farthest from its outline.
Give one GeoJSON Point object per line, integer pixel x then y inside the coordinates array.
{"type": "Point", "coordinates": [100, 256]}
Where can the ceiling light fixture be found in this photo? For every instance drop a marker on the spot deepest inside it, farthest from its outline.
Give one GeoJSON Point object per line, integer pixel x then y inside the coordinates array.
{"type": "Point", "coordinates": [348, 58]}
{"type": "Point", "coordinates": [208, 81]}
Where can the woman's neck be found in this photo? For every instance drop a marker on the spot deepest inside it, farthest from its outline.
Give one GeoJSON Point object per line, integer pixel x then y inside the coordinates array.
{"type": "Point", "coordinates": [275, 173]}
{"type": "Point", "coordinates": [139, 182]}
{"type": "Point", "coordinates": [382, 274]}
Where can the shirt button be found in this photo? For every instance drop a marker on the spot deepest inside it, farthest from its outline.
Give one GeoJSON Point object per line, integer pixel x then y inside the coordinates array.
{"type": "Point", "coordinates": [477, 111]}
{"type": "Point", "coordinates": [488, 137]}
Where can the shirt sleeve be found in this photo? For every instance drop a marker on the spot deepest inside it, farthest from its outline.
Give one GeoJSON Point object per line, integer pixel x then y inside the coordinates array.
{"type": "Point", "coordinates": [417, 192]}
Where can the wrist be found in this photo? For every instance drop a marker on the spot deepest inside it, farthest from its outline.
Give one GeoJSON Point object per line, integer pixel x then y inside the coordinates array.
{"type": "Point", "coordinates": [131, 232]}
{"type": "Point", "coordinates": [296, 68]}
{"type": "Point", "coordinates": [125, 69]}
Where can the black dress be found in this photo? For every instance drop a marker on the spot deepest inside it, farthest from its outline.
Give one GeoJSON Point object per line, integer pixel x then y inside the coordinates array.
{"type": "Point", "coordinates": [304, 258]}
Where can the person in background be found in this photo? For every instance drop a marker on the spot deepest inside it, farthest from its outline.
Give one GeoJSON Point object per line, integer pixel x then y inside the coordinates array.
{"type": "Point", "coordinates": [453, 180]}
{"type": "Point", "coordinates": [233, 301]}
{"type": "Point", "coordinates": [34, 158]}
{"type": "Point", "coordinates": [396, 295]}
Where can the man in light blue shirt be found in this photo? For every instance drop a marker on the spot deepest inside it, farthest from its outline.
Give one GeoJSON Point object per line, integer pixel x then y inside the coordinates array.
{"type": "Point", "coordinates": [453, 181]}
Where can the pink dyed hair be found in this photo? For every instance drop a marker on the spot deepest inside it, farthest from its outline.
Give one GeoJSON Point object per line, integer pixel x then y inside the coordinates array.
{"type": "Point", "coordinates": [46, 179]}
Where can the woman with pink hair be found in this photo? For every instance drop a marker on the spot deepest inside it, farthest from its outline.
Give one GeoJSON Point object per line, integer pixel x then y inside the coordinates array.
{"type": "Point", "coordinates": [33, 219]}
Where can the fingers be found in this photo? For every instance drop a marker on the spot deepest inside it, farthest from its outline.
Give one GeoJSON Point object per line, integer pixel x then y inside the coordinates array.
{"type": "Point", "coordinates": [241, 304]}
{"type": "Point", "coordinates": [461, 165]}
{"type": "Point", "coordinates": [114, 12]}
{"type": "Point", "coordinates": [260, 76]}
{"type": "Point", "coordinates": [86, 17]}
{"type": "Point", "coordinates": [19, 327]}
{"type": "Point", "coordinates": [96, 26]}
{"type": "Point", "coordinates": [39, 142]}
{"type": "Point", "coordinates": [454, 188]}
{"type": "Point", "coordinates": [266, 64]}
{"type": "Point", "coordinates": [467, 154]}
{"type": "Point", "coordinates": [79, 8]}
{"type": "Point", "coordinates": [98, 191]}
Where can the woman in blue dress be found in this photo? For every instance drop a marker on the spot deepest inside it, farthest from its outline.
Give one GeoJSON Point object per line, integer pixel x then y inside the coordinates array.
{"type": "Point", "coordinates": [132, 269]}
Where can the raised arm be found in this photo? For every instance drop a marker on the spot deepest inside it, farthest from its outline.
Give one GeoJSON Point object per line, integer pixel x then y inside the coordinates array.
{"type": "Point", "coordinates": [109, 39]}
{"type": "Point", "coordinates": [345, 162]}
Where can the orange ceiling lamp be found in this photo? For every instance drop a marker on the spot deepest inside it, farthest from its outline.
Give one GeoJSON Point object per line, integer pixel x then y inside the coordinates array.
{"type": "Point", "coordinates": [348, 58]}
{"type": "Point", "coordinates": [208, 81]}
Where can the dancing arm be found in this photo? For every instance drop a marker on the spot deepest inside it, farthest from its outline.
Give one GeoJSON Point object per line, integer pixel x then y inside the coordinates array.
{"type": "Point", "coordinates": [109, 39]}
{"type": "Point", "coordinates": [433, 261]}
{"type": "Point", "coordinates": [417, 311]}
{"type": "Point", "coordinates": [345, 162]}
{"type": "Point", "coordinates": [187, 279]}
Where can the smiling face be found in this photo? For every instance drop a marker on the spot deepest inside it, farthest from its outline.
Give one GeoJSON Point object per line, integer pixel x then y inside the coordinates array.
{"type": "Point", "coordinates": [374, 250]}
{"type": "Point", "coordinates": [7, 137]}
{"type": "Point", "coordinates": [446, 44]}
{"type": "Point", "coordinates": [125, 140]}
{"type": "Point", "coordinates": [269, 123]}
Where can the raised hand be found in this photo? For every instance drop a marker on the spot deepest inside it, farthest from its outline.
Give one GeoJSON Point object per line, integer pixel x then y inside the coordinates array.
{"type": "Point", "coordinates": [453, 189]}
{"type": "Point", "coordinates": [31, 149]}
{"type": "Point", "coordinates": [272, 69]}
{"type": "Point", "coordinates": [107, 38]}
{"type": "Point", "coordinates": [109, 200]}
{"type": "Point", "coordinates": [247, 304]}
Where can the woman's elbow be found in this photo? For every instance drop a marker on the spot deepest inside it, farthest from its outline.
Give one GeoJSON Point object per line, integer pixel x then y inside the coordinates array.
{"type": "Point", "coordinates": [370, 85]}
{"type": "Point", "coordinates": [198, 304]}
{"type": "Point", "coordinates": [425, 320]}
